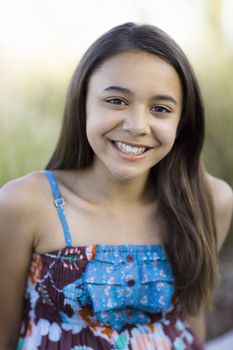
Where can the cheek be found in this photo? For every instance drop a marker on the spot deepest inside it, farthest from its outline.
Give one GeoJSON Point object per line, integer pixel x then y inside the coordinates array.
{"type": "Point", "coordinates": [100, 121]}
{"type": "Point", "coordinates": [98, 124]}
{"type": "Point", "coordinates": [165, 131]}
{"type": "Point", "coordinates": [93, 119]}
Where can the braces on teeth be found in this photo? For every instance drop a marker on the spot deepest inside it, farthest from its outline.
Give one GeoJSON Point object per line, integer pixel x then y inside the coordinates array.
{"type": "Point", "coordinates": [129, 149]}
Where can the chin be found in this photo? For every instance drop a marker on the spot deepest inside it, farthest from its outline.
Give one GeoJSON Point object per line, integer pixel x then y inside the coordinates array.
{"type": "Point", "coordinates": [128, 176]}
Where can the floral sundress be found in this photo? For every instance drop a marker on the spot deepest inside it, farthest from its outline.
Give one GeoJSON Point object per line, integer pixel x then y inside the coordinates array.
{"type": "Point", "coordinates": [102, 297]}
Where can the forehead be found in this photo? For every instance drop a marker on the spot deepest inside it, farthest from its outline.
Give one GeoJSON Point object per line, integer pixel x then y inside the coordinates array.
{"type": "Point", "coordinates": [137, 71]}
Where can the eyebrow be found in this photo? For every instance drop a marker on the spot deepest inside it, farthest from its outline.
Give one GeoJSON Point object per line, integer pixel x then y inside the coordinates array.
{"type": "Point", "coordinates": [118, 89]}
{"type": "Point", "coordinates": [129, 92]}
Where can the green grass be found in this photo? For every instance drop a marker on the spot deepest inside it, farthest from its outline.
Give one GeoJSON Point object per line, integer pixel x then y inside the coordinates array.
{"type": "Point", "coordinates": [29, 127]}
{"type": "Point", "coordinates": [26, 146]}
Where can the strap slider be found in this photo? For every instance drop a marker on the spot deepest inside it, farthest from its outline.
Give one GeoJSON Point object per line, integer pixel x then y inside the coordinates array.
{"type": "Point", "coordinates": [59, 202]}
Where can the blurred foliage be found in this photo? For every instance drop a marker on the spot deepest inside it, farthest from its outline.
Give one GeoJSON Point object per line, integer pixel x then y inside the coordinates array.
{"type": "Point", "coordinates": [217, 89]}
{"type": "Point", "coordinates": [29, 123]}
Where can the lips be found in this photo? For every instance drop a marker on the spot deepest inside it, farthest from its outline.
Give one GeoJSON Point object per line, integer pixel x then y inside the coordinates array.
{"type": "Point", "coordinates": [128, 149]}
{"type": "Point", "coordinates": [133, 144]}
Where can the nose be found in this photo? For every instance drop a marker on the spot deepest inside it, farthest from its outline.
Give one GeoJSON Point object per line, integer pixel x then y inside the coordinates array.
{"type": "Point", "coordinates": [136, 123]}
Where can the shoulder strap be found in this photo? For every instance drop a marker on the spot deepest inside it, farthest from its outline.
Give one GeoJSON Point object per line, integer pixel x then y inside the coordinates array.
{"type": "Point", "coordinates": [59, 203]}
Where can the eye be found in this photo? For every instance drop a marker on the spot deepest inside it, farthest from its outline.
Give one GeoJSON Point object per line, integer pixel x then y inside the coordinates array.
{"type": "Point", "coordinates": [117, 101]}
{"type": "Point", "coordinates": [160, 109]}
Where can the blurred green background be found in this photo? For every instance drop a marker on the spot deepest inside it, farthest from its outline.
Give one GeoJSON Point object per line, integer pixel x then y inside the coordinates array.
{"type": "Point", "coordinates": [34, 80]}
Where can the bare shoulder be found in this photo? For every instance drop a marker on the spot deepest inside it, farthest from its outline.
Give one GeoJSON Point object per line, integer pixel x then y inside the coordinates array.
{"type": "Point", "coordinates": [222, 194]}
{"type": "Point", "coordinates": [20, 194]}
{"type": "Point", "coordinates": [18, 201]}
{"type": "Point", "coordinates": [223, 204]}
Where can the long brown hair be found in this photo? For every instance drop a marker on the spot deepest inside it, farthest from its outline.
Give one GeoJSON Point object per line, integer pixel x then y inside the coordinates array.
{"type": "Point", "coordinates": [178, 179]}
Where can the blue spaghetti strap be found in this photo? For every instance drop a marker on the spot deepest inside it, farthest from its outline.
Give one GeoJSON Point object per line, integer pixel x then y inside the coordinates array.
{"type": "Point", "coordinates": [59, 203]}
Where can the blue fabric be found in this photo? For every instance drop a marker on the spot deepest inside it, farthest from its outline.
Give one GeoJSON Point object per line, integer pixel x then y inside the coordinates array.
{"type": "Point", "coordinates": [127, 282]}
{"type": "Point", "coordinates": [123, 284]}
{"type": "Point", "coordinates": [59, 202]}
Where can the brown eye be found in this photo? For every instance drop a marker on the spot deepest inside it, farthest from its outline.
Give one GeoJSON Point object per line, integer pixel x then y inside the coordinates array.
{"type": "Point", "coordinates": [160, 109]}
{"type": "Point", "coordinates": [116, 101]}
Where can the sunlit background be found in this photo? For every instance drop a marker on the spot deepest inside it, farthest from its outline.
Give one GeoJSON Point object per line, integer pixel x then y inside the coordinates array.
{"type": "Point", "coordinates": [41, 42]}
{"type": "Point", "coordinates": [49, 35]}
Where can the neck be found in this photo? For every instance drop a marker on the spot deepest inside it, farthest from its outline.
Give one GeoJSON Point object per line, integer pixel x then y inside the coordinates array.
{"type": "Point", "coordinates": [104, 188]}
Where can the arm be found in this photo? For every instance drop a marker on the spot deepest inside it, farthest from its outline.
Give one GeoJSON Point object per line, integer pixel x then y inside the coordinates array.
{"type": "Point", "coordinates": [16, 240]}
{"type": "Point", "coordinates": [223, 203]}
{"type": "Point", "coordinates": [197, 324]}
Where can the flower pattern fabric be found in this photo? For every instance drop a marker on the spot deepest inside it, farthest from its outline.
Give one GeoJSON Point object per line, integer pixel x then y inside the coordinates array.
{"type": "Point", "coordinates": [60, 311]}
{"type": "Point", "coordinates": [125, 284]}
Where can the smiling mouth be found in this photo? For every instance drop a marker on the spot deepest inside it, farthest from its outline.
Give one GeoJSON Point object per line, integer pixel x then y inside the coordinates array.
{"type": "Point", "coordinates": [129, 149]}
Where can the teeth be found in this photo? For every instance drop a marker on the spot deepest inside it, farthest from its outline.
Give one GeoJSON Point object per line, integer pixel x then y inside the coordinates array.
{"type": "Point", "coordinates": [129, 149]}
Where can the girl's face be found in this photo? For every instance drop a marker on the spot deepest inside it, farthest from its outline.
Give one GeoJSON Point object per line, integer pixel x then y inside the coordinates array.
{"type": "Point", "coordinates": [134, 104]}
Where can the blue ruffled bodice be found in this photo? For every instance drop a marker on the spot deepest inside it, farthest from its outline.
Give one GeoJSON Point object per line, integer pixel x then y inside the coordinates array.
{"type": "Point", "coordinates": [125, 283]}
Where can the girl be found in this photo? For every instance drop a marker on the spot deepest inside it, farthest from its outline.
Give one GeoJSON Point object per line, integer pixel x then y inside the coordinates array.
{"type": "Point", "coordinates": [114, 245]}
